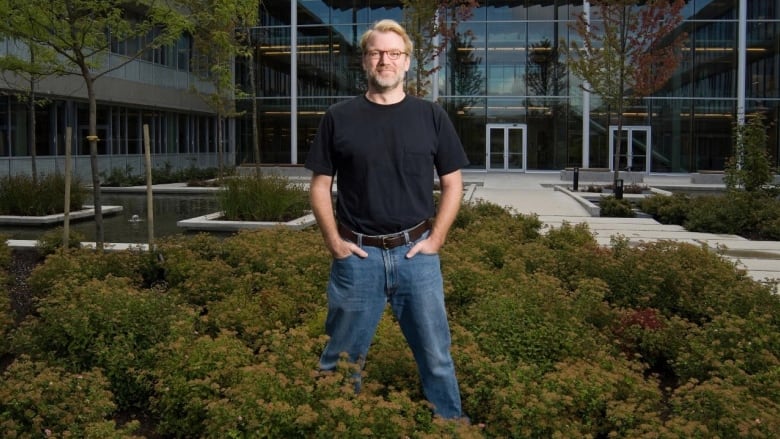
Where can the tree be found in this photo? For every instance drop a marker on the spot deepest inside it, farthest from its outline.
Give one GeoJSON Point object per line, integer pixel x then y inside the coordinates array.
{"type": "Point", "coordinates": [246, 38]}
{"type": "Point", "coordinates": [750, 168]}
{"type": "Point", "coordinates": [220, 36]}
{"type": "Point", "coordinates": [628, 52]}
{"type": "Point", "coordinates": [79, 35]}
{"type": "Point", "coordinates": [431, 25]}
{"type": "Point", "coordinates": [27, 72]}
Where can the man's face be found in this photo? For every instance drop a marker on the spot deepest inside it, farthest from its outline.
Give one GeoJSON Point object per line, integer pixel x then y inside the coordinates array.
{"type": "Point", "coordinates": [383, 72]}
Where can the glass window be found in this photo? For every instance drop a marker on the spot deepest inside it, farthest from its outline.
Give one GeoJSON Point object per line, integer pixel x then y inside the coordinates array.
{"type": "Point", "coordinates": [506, 59]}
{"type": "Point", "coordinates": [468, 116]}
{"type": "Point", "coordinates": [274, 121]}
{"type": "Point", "coordinates": [464, 70]}
{"type": "Point", "coordinates": [313, 12]}
{"type": "Point", "coordinates": [714, 51]}
{"type": "Point", "coordinates": [546, 75]}
{"type": "Point", "coordinates": [349, 12]}
{"type": "Point", "coordinates": [328, 61]}
{"type": "Point", "coordinates": [762, 10]}
{"type": "Point", "coordinates": [544, 10]}
{"type": "Point", "coordinates": [5, 128]}
{"type": "Point", "coordinates": [502, 10]}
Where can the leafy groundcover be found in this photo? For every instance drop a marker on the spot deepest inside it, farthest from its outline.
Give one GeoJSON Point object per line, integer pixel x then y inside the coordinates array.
{"type": "Point", "coordinates": [553, 336]}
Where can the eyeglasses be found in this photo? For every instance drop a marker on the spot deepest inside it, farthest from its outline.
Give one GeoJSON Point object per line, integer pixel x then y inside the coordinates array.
{"type": "Point", "coordinates": [390, 54]}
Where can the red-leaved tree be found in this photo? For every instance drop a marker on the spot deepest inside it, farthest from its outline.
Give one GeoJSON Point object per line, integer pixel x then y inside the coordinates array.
{"type": "Point", "coordinates": [629, 50]}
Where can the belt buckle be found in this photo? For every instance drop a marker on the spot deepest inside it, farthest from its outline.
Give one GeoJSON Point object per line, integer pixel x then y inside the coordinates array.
{"type": "Point", "coordinates": [387, 242]}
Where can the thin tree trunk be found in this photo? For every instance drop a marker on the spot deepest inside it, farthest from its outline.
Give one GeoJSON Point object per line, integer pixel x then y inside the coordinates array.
{"type": "Point", "coordinates": [621, 84]}
{"type": "Point", "coordinates": [247, 38]}
{"type": "Point", "coordinates": [68, 173]}
{"type": "Point", "coordinates": [220, 145]}
{"type": "Point", "coordinates": [93, 159]}
{"type": "Point", "coordinates": [255, 127]}
{"type": "Point", "coordinates": [33, 141]}
{"type": "Point", "coordinates": [149, 192]}
{"type": "Point", "coordinates": [32, 129]}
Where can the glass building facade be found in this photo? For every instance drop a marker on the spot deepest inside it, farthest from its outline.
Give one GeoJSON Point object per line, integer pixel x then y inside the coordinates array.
{"type": "Point", "coordinates": [155, 91]}
{"type": "Point", "coordinates": [506, 86]}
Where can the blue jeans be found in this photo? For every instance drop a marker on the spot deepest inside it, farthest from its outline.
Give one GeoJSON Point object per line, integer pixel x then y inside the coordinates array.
{"type": "Point", "coordinates": [358, 291]}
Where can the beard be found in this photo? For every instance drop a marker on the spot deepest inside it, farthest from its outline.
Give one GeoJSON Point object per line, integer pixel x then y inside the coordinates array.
{"type": "Point", "coordinates": [381, 82]}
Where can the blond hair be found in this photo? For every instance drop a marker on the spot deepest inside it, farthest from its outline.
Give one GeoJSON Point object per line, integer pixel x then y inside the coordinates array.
{"type": "Point", "coordinates": [387, 25]}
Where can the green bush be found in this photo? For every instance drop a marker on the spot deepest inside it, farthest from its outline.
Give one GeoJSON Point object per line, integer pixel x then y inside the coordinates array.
{"type": "Point", "coordinates": [192, 373]}
{"type": "Point", "coordinates": [667, 209]}
{"type": "Point", "coordinates": [553, 336]}
{"type": "Point", "coordinates": [750, 168]}
{"type": "Point", "coordinates": [119, 177]}
{"type": "Point", "coordinates": [21, 195]}
{"type": "Point", "coordinates": [262, 198]}
{"type": "Point", "coordinates": [722, 407]}
{"type": "Point", "coordinates": [193, 176]}
{"type": "Point", "coordinates": [616, 208]}
{"type": "Point", "coordinates": [75, 267]}
{"type": "Point", "coordinates": [38, 400]}
{"type": "Point", "coordinates": [52, 240]}
{"type": "Point", "coordinates": [106, 324]}
{"type": "Point", "coordinates": [754, 216]}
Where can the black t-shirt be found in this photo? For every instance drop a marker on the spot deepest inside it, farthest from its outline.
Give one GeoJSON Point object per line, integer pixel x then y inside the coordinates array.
{"type": "Point", "coordinates": [383, 158]}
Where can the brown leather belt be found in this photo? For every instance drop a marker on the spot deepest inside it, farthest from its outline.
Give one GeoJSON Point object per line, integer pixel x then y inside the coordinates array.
{"type": "Point", "coordinates": [386, 241]}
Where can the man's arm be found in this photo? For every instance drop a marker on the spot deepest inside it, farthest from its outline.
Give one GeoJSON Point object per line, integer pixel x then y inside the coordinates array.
{"type": "Point", "coordinates": [322, 206]}
{"type": "Point", "coordinates": [449, 204]}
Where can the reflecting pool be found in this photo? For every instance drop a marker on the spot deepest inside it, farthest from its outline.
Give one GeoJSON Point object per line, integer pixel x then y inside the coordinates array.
{"type": "Point", "coordinates": [130, 225]}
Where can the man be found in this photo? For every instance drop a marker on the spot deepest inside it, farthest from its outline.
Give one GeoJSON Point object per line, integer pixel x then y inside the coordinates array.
{"type": "Point", "coordinates": [383, 147]}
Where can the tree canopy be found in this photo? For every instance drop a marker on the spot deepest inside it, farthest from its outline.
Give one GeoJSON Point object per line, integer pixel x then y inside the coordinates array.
{"type": "Point", "coordinates": [75, 37]}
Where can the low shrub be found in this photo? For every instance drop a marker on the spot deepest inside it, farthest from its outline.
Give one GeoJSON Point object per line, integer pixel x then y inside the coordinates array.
{"type": "Point", "coordinates": [722, 407]}
{"type": "Point", "coordinates": [52, 240]}
{"type": "Point", "coordinates": [553, 336]}
{"type": "Point", "coordinates": [667, 209]}
{"type": "Point", "coordinates": [192, 373]}
{"type": "Point", "coordinates": [616, 208]}
{"type": "Point", "coordinates": [106, 324]}
{"type": "Point", "coordinates": [680, 279]}
{"type": "Point", "coordinates": [262, 198]}
{"type": "Point", "coordinates": [72, 268]}
{"type": "Point", "coordinates": [119, 177]}
{"type": "Point", "coordinates": [21, 195]}
{"type": "Point", "coordinates": [634, 188]}
{"type": "Point", "coordinates": [193, 176]}
{"type": "Point", "coordinates": [729, 343]}
{"type": "Point", "coordinates": [752, 215]}
{"type": "Point", "coordinates": [38, 400]}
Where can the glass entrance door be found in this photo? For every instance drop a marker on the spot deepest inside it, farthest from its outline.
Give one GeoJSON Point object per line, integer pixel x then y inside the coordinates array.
{"type": "Point", "coordinates": [505, 147]}
{"type": "Point", "coordinates": [635, 148]}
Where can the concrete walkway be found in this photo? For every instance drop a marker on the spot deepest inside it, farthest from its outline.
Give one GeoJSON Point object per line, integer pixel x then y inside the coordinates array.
{"type": "Point", "coordinates": [534, 193]}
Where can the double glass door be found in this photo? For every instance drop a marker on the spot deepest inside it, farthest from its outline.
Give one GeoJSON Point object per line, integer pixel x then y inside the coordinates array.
{"type": "Point", "coordinates": [635, 148]}
{"type": "Point", "coordinates": [505, 147]}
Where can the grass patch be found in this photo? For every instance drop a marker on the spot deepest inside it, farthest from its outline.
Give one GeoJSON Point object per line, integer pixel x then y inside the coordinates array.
{"type": "Point", "coordinates": [262, 198]}
{"type": "Point", "coordinates": [20, 195]}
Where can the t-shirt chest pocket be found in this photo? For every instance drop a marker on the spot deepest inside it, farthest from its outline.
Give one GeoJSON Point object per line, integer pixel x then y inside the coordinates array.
{"type": "Point", "coordinates": [417, 156]}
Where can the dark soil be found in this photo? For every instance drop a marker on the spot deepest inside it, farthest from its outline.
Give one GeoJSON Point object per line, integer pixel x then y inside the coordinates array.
{"type": "Point", "coordinates": [22, 263]}
{"type": "Point", "coordinates": [23, 260]}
